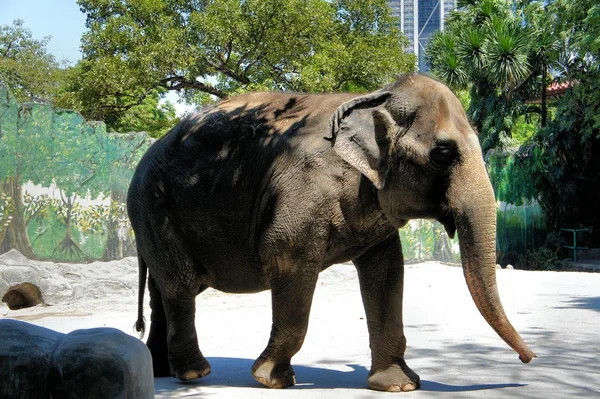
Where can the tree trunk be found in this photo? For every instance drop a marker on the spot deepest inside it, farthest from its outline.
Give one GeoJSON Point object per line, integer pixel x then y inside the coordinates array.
{"type": "Point", "coordinates": [68, 248]}
{"type": "Point", "coordinates": [114, 248]}
{"type": "Point", "coordinates": [15, 234]}
{"type": "Point", "coordinates": [544, 99]}
{"type": "Point", "coordinates": [442, 248]}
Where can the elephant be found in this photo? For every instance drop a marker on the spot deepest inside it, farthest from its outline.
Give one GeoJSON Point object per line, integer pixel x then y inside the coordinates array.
{"type": "Point", "coordinates": [265, 190]}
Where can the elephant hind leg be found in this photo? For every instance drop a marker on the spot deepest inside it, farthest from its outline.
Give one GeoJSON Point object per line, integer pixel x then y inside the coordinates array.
{"type": "Point", "coordinates": [185, 359]}
{"type": "Point", "coordinates": [167, 362]}
{"type": "Point", "coordinates": [157, 339]}
{"type": "Point", "coordinates": [291, 299]}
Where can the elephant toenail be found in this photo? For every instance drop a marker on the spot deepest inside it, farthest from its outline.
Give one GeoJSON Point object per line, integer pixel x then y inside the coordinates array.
{"type": "Point", "coordinates": [394, 388]}
{"type": "Point", "coordinates": [190, 375]}
{"type": "Point", "coordinates": [408, 387]}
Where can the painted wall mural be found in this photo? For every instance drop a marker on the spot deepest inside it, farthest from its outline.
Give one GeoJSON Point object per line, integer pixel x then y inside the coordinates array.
{"type": "Point", "coordinates": [63, 183]}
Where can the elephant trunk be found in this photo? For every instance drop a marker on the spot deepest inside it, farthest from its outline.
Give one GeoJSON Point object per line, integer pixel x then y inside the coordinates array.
{"type": "Point", "coordinates": [471, 199]}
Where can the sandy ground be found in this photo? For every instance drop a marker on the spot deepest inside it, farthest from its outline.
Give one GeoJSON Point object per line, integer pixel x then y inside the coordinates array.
{"type": "Point", "coordinates": [449, 344]}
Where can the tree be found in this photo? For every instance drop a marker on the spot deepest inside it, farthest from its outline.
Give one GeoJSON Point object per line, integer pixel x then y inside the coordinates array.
{"type": "Point", "coordinates": [19, 133]}
{"type": "Point", "coordinates": [212, 48]}
{"type": "Point", "coordinates": [25, 65]}
{"type": "Point", "coordinates": [502, 51]}
{"type": "Point", "coordinates": [72, 166]}
{"type": "Point", "coordinates": [148, 114]}
{"type": "Point", "coordinates": [566, 170]}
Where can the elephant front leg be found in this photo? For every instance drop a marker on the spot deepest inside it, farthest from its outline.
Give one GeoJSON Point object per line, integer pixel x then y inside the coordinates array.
{"type": "Point", "coordinates": [381, 276]}
{"type": "Point", "coordinates": [291, 302]}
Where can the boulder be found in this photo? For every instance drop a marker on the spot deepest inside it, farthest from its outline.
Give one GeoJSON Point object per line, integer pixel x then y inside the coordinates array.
{"type": "Point", "coordinates": [36, 362]}
{"type": "Point", "coordinates": [25, 359]}
{"type": "Point", "coordinates": [14, 258]}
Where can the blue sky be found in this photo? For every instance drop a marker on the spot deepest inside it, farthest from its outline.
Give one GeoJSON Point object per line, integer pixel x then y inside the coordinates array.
{"type": "Point", "coordinates": [60, 19]}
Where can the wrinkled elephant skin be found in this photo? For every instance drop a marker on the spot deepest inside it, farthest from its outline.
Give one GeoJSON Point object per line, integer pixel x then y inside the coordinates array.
{"type": "Point", "coordinates": [265, 190]}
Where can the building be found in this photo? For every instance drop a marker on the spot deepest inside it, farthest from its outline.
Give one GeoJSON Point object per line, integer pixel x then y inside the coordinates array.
{"type": "Point", "coordinates": [419, 19]}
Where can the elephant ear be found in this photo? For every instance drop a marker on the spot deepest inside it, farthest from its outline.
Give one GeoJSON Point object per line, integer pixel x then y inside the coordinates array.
{"type": "Point", "coordinates": [361, 135]}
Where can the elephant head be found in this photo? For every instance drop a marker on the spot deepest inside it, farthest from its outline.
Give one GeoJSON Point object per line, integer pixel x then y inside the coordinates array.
{"type": "Point", "coordinates": [413, 141]}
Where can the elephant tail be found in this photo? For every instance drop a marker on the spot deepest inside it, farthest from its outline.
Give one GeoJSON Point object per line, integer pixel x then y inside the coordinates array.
{"type": "Point", "coordinates": [140, 324]}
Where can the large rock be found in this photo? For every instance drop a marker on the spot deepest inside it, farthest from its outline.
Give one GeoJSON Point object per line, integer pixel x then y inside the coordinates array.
{"type": "Point", "coordinates": [36, 362]}
{"type": "Point", "coordinates": [14, 258]}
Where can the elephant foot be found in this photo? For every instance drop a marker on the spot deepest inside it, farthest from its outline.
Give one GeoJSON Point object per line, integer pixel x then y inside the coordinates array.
{"type": "Point", "coordinates": [396, 378]}
{"type": "Point", "coordinates": [198, 369]}
{"type": "Point", "coordinates": [273, 375]}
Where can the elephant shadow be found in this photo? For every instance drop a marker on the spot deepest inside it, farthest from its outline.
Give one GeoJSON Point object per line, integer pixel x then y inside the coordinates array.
{"type": "Point", "coordinates": [235, 373]}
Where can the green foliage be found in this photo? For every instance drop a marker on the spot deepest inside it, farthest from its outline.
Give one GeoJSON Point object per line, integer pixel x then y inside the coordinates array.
{"type": "Point", "coordinates": [36, 208]}
{"type": "Point", "coordinates": [542, 258]}
{"type": "Point", "coordinates": [46, 234]}
{"type": "Point", "coordinates": [7, 205]}
{"type": "Point", "coordinates": [150, 116]}
{"type": "Point", "coordinates": [219, 47]}
{"type": "Point", "coordinates": [427, 240]}
{"type": "Point", "coordinates": [546, 257]}
{"type": "Point", "coordinates": [25, 65]}
{"type": "Point", "coordinates": [91, 219]}
{"type": "Point", "coordinates": [464, 97]}
{"type": "Point", "coordinates": [510, 176]}
{"type": "Point", "coordinates": [521, 225]}
{"type": "Point", "coordinates": [363, 49]}
{"type": "Point", "coordinates": [523, 130]}
{"type": "Point", "coordinates": [567, 175]}
{"type": "Point", "coordinates": [137, 110]}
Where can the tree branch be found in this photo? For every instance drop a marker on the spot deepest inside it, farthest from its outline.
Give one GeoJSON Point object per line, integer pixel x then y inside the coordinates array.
{"type": "Point", "coordinates": [529, 76]}
{"type": "Point", "coordinates": [179, 83]}
{"type": "Point", "coordinates": [8, 48]}
{"type": "Point", "coordinates": [123, 108]}
{"type": "Point", "coordinates": [226, 71]}
{"type": "Point", "coordinates": [40, 205]}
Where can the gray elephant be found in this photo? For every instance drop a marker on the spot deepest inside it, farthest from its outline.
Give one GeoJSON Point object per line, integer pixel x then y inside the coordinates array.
{"type": "Point", "coordinates": [266, 190]}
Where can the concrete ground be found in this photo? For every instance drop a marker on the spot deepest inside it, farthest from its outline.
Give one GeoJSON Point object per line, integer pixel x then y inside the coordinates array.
{"type": "Point", "coordinates": [449, 344]}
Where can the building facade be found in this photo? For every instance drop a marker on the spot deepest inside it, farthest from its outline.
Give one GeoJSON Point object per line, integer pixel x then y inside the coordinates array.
{"type": "Point", "coordinates": [418, 20]}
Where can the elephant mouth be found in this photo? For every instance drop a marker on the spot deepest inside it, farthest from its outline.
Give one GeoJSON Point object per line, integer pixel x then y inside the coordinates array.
{"type": "Point", "coordinates": [449, 223]}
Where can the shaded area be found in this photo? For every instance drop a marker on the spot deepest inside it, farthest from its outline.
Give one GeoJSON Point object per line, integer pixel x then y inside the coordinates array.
{"type": "Point", "coordinates": [590, 303]}
{"type": "Point", "coordinates": [235, 372]}
{"type": "Point", "coordinates": [439, 387]}
{"type": "Point", "coordinates": [566, 361]}
{"type": "Point", "coordinates": [21, 296]}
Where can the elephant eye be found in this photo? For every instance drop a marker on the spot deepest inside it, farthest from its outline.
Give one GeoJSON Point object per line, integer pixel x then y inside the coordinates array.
{"type": "Point", "coordinates": [443, 154]}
